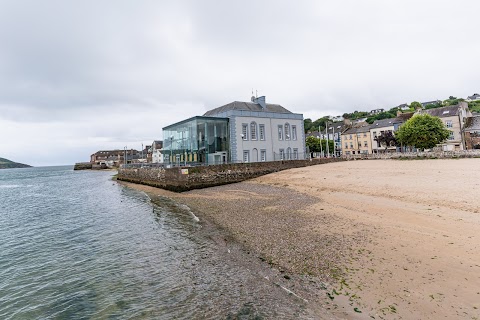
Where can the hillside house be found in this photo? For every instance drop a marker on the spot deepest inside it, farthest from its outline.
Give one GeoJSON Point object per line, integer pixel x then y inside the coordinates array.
{"type": "Point", "coordinates": [454, 118]}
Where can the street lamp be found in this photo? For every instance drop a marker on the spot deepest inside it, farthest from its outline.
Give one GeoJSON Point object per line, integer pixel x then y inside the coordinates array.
{"type": "Point", "coordinates": [241, 151]}
{"type": "Point", "coordinates": [326, 131]}
{"type": "Point", "coordinates": [125, 156]}
{"type": "Point", "coordinates": [171, 149]}
{"type": "Point", "coordinates": [288, 146]}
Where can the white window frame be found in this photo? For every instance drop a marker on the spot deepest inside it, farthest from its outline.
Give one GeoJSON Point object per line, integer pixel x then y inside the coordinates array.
{"type": "Point", "coordinates": [245, 131]}
{"type": "Point", "coordinates": [280, 132]}
{"type": "Point", "coordinates": [295, 154]}
{"type": "Point", "coordinates": [288, 153]}
{"type": "Point", "coordinates": [263, 155]}
{"type": "Point", "coordinates": [282, 154]}
{"type": "Point", "coordinates": [294, 132]}
{"type": "Point", "coordinates": [451, 136]}
{"type": "Point", "coordinates": [262, 132]}
{"type": "Point", "coordinates": [253, 130]}
{"type": "Point", "coordinates": [449, 124]}
{"type": "Point", "coordinates": [287, 131]}
{"type": "Point", "coordinates": [246, 156]}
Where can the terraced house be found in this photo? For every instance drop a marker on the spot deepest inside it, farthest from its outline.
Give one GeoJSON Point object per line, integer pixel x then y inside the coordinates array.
{"type": "Point", "coordinates": [357, 140]}
{"type": "Point", "coordinates": [454, 118]}
{"type": "Point", "coordinates": [380, 127]}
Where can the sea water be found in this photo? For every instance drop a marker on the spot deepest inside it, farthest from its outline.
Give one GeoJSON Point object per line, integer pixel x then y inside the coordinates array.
{"type": "Point", "coordinates": [78, 245]}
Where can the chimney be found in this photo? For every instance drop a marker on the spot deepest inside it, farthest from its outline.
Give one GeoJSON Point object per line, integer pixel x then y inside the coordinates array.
{"type": "Point", "coordinates": [260, 101]}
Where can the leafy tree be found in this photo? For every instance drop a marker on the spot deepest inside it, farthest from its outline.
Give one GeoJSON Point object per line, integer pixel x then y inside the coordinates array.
{"type": "Point", "coordinates": [474, 106]}
{"type": "Point", "coordinates": [452, 102]}
{"type": "Point", "coordinates": [416, 105]}
{"type": "Point", "coordinates": [380, 116]}
{"type": "Point", "coordinates": [386, 139]}
{"type": "Point", "coordinates": [422, 131]}
{"type": "Point", "coordinates": [307, 124]}
{"type": "Point", "coordinates": [434, 105]}
{"type": "Point", "coordinates": [317, 145]}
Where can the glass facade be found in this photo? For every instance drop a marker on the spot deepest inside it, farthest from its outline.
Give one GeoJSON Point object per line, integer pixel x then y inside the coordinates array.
{"type": "Point", "coordinates": [202, 140]}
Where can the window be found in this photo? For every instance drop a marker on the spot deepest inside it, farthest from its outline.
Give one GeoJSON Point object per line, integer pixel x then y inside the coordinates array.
{"type": "Point", "coordinates": [365, 144]}
{"type": "Point", "coordinates": [263, 155]}
{"type": "Point", "coordinates": [364, 134]}
{"type": "Point", "coordinates": [359, 144]}
{"type": "Point", "coordinates": [449, 123]}
{"type": "Point", "coordinates": [253, 131]}
{"type": "Point", "coordinates": [289, 153]}
{"type": "Point", "coordinates": [294, 132]}
{"type": "Point", "coordinates": [346, 145]}
{"type": "Point", "coordinates": [280, 132]}
{"type": "Point", "coordinates": [262, 131]}
{"type": "Point", "coordinates": [451, 136]}
{"type": "Point", "coordinates": [244, 131]}
{"type": "Point", "coordinates": [374, 134]}
{"type": "Point", "coordinates": [351, 145]}
{"type": "Point", "coordinates": [350, 137]}
{"type": "Point", "coordinates": [295, 153]}
{"type": "Point", "coordinates": [287, 131]}
{"type": "Point", "coordinates": [246, 156]}
{"type": "Point", "coordinates": [282, 154]}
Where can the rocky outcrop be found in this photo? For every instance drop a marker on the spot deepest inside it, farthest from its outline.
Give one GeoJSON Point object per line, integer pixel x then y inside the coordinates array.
{"type": "Point", "coordinates": [82, 166]}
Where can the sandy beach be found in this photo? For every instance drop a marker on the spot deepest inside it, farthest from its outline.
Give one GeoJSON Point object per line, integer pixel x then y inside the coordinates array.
{"type": "Point", "coordinates": [381, 239]}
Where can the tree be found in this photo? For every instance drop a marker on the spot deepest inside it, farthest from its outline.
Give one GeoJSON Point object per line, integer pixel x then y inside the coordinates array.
{"type": "Point", "coordinates": [422, 131]}
{"type": "Point", "coordinates": [317, 145]}
{"type": "Point", "coordinates": [416, 105]}
{"type": "Point", "coordinates": [307, 124]}
{"type": "Point", "coordinates": [313, 144]}
{"type": "Point", "coordinates": [386, 139]}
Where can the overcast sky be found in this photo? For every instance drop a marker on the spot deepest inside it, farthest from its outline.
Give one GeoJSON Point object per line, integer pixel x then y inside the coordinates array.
{"type": "Point", "coordinates": [81, 76]}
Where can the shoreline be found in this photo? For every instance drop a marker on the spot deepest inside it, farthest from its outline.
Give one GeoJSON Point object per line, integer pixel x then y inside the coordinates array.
{"type": "Point", "coordinates": [317, 292]}
{"type": "Point", "coordinates": [388, 238]}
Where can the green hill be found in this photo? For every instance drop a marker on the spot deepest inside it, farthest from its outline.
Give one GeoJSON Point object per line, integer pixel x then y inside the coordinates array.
{"type": "Point", "coordinates": [7, 164]}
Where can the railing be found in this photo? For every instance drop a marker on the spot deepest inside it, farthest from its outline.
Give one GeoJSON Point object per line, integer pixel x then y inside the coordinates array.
{"type": "Point", "coordinates": [417, 155]}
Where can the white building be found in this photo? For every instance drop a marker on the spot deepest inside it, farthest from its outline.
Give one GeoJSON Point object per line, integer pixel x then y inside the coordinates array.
{"type": "Point", "coordinates": [157, 156]}
{"type": "Point", "coordinates": [260, 131]}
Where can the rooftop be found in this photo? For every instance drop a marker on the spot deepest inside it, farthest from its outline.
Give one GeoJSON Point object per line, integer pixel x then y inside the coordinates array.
{"type": "Point", "coordinates": [442, 112]}
{"type": "Point", "coordinates": [473, 123]}
{"type": "Point", "coordinates": [247, 106]}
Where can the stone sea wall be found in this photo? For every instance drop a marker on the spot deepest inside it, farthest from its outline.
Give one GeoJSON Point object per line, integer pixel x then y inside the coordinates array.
{"type": "Point", "coordinates": [189, 178]}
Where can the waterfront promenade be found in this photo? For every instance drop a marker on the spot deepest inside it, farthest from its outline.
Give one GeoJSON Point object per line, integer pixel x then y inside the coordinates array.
{"type": "Point", "coordinates": [389, 238]}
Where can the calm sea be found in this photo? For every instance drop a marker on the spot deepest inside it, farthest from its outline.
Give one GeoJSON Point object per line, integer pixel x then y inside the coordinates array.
{"type": "Point", "coordinates": [77, 245]}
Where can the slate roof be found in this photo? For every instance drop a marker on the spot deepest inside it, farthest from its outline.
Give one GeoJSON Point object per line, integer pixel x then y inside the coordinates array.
{"type": "Point", "coordinates": [475, 96]}
{"type": "Point", "coordinates": [384, 123]}
{"type": "Point", "coordinates": [472, 123]}
{"type": "Point", "coordinates": [443, 112]}
{"type": "Point", "coordinates": [339, 127]}
{"type": "Point", "coordinates": [429, 102]}
{"type": "Point", "coordinates": [247, 106]}
{"type": "Point", "coordinates": [402, 117]}
{"type": "Point", "coordinates": [358, 130]}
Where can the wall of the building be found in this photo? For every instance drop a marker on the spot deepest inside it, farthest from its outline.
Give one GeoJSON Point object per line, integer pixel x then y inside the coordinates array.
{"type": "Point", "coordinates": [378, 131]}
{"type": "Point", "coordinates": [456, 143]}
{"type": "Point", "coordinates": [272, 144]}
{"type": "Point", "coordinates": [352, 139]}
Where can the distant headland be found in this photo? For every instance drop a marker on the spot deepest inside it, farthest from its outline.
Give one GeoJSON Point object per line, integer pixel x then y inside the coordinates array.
{"type": "Point", "coordinates": [8, 164]}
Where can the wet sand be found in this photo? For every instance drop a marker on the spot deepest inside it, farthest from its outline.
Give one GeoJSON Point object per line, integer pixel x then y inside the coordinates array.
{"type": "Point", "coordinates": [390, 239]}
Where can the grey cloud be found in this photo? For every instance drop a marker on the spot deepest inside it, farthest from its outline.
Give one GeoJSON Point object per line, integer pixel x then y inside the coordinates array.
{"type": "Point", "coordinates": [106, 62]}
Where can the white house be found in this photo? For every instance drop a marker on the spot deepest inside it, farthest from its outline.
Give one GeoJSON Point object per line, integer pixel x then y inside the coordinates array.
{"type": "Point", "coordinates": [157, 156]}
{"type": "Point", "coordinates": [260, 131]}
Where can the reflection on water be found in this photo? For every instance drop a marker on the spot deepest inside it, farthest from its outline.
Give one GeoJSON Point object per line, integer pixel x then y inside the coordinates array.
{"type": "Point", "coordinates": [76, 245]}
